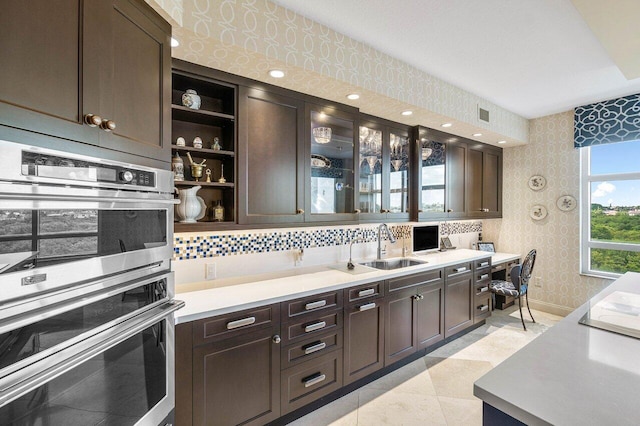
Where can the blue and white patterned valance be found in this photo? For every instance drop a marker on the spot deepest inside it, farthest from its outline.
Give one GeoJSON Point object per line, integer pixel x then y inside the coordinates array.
{"type": "Point", "coordinates": [617, 120]}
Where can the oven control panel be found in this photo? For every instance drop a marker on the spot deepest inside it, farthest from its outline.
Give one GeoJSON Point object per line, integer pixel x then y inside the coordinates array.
{"type": "Point", "coordinates": [51, 166]}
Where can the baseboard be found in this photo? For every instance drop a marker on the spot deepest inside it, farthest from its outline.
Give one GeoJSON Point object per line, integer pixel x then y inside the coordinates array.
{"type": "Point", "coordinates": [551, 308]}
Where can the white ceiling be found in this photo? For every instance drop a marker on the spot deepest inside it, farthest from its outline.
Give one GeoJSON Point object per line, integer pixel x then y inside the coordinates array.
{"type": "Point", "coordinates": [532, 57]}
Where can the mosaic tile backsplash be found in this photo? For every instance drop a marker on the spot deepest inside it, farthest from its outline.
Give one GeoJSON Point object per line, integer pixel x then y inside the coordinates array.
{"type": "Point", "coordinates": [266, 241]}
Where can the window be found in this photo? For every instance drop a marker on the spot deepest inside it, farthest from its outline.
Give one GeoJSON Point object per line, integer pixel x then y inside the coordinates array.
{"type": "Point", "coordinates": [611, 208]}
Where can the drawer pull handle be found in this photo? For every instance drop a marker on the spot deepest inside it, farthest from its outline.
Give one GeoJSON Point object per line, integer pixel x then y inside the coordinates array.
{"type": "Point", "coordinates": [460, 269]}
{"type": "Point", "coordinates": [367, 306]}
{"type": "Point", "coordinates": [483, 276]}
{"type": "Point", "coordinates": [483, 289]}
{"type": "Point", "coordinates": [314, 327]}
{"type": "Point", "coordinates": [483, 264]}
{"type": "Point", "coordinates": [315, 305]}
{"type": "Point", "coordinates": [315, 347]}
{"type": "Point", "coordinates": [314, 380]}
{"type": "Point", "coordinates": [367, 292]}
{"type": "Point", "coordinates": [240, 323]}
{"type": "Point", "coordinates": [483, 308]}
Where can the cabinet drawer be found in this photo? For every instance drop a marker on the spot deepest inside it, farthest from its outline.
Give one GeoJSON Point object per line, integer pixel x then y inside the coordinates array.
{"type": "Point", "coordinates": [311, 348]}
{"type": "Point", "coordinates": [400, 283]}
{"type": "Point", "coordinates": [235, 324]}
{"type": "Point", "coordinates": [308, 305]}
{"type": "Point", "coordinates": [456, 270]}
{"type": "Point", "coordinates": [482, 264]}
{"type": "Point", "coordinates": [365, 291]}
{"type": "Point", "coordinates": [482, 289]}
{"type": "Point", "coordinates": [482, 308]}
{"type": "Point", "coordinates": [311, 380]}
{"type": "Point", "coordinates": [482, 276]}
{"type": "Point", "coordinates": [312, 326]}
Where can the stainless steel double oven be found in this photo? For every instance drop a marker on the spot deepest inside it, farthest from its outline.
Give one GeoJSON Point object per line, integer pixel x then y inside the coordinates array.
{"type": "Point", "coordinates": [86, 290]}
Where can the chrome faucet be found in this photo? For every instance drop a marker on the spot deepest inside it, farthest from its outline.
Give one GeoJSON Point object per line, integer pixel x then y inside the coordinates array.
{"type": "Point", "coordinates": [382, 251]}
{"type": "Point", "coordinates": [350, 264]}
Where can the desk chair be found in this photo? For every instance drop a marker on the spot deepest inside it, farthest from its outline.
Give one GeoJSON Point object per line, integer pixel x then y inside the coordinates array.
{"type": "Point", "coordinates": [520, 275]}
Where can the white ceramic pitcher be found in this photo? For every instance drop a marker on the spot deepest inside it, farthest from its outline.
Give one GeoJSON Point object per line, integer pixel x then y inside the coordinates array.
{"type": "Point", "coordinates": [191, 207]}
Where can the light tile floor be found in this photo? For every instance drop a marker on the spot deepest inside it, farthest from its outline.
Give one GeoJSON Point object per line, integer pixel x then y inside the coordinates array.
{"type": "Point", "coordinates": [438, 388]}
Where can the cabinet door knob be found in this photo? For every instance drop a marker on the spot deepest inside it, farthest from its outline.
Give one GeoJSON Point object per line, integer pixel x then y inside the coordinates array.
{"type": "Point", "coordinates": [357, 211]}
{"type": "Point", "coordinates": [449, 211]}
{"type": "Point", "coordinates": [108, 125]}
{"type": "Point", "coordinates": [92, 120]}
{"type": "Point", "coordinates": [299, 211]}
{"type": "Point", "coordinates": [419, 210]}
{"type": "Point", "coordinates": [276, 339]}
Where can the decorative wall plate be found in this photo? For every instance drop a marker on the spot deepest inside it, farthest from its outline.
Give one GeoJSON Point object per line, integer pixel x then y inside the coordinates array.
{"type": "Point", "coordinates": [566, 203]}
{"type": "Point", "coordinates": [537, 182]}
{"type": "Point", "coordinates": [538, 212]}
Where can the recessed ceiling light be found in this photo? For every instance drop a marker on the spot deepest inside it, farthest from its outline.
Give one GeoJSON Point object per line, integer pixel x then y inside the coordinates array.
{"type": "Point", "coordinates": [276, 73]}
{"type": "Point", "coordinates": [407, 112]}
{"type": "Point", "coordinates": [477, 135]}
{"type": "Point", "coordinates": [502, 142]}
{"type": "Point", "coordinates": [447, 125]}
{"type": "Point", "coordinates": [353, 96]}
{"type": "Point", "coordinates": [174, 42]}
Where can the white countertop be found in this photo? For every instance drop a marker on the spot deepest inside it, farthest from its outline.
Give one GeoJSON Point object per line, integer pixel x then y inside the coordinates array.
{"type": "Point", "coordinates": [571, 375]}
{"type": "Point", "coordinates": [274, 287]}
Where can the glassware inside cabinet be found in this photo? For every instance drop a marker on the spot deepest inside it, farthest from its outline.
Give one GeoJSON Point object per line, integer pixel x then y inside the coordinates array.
{"type": "Point", "coordinates": [432, 176]}
{"type": "Point", "coordinates": [332, 164]}
{"type": "Point", "coordinates": [399, 178]}
{"type": "Point", "coordinates": [370, 179]}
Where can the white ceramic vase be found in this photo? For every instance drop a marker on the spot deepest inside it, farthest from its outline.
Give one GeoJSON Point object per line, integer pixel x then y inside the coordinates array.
{"type": "Point", "coordinates": [191, 207]}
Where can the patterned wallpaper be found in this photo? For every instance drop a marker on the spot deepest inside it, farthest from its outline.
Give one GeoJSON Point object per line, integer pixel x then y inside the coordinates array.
{"type": "Point", "coordinates": [190, 246]}
{"type": "Point", "coordinates": [250, 37]}
{"type": "Point", "coordinates": [550, 153]}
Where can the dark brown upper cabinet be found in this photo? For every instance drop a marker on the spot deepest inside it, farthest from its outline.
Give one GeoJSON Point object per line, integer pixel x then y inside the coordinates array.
{"type": "Point", "coordinates": [96, 72]}
{"type": "Point", "coordinates": [383, 179]}
{"type": "Point", "coordinates": [331, 163]}
{"type": "Point", "coordinates": [271, 158]}
{"type": "Point", "coordinates": [484, 181]}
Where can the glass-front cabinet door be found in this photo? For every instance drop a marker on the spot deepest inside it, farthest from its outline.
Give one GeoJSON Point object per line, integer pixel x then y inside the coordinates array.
{"type": "Point", "coordinates": [383, 180]}
{"type": "Point", "coordinates": [430, 154]}
{"type": "Point", "coordinates": [332, 169]}
{"type": "Point", "coordinates": [399, 174]}
{"type": "Point", "coordinates": [370, 182]}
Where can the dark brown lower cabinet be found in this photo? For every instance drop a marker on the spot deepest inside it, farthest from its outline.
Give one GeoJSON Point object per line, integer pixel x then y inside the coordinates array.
{"type": "Point", "coordinates": [363, 339]}
{"type": "Point", "coordinates": [414, 317]}
{"type": "Point", "coordinates": [458, 313]}
{"type": "Point", "coordinates": [237, 381]}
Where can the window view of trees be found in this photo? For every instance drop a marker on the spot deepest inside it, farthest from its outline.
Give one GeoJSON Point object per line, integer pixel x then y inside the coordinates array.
{"type": "Point", "coordinates": [611, 205]}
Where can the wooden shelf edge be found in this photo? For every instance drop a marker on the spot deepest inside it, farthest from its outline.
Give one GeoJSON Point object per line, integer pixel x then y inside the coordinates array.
{"type": "Point", "coordinates": [203, 184]}
{"type": "Point", "coordinates": [203, 226]}
{"type": "Point", "coordinates": [202, 112]}
{"type": "Point", "coordinates": [203, 150]}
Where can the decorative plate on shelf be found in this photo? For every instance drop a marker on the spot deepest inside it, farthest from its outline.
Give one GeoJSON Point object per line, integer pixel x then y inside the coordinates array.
{"type": "Point", "coordinates": [566, 203]}
{"type": "Point", "coordinates": [537, 182]}
{"type": "Point", "coordinates": [538, 212]}
{"type": "Point", "coordinates": [320, 161]}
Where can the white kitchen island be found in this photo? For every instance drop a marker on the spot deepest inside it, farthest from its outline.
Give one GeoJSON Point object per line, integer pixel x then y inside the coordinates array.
{"type": "Point", "coordinates": [573, 374]}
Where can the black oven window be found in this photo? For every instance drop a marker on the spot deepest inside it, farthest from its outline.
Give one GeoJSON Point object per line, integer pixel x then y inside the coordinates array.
{"type": "Point", "coordinates": [30, 238]}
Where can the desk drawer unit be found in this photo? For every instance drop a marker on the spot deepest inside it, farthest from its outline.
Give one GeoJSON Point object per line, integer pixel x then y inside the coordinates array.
{"type": "Point", "coordinates": [482, 294]}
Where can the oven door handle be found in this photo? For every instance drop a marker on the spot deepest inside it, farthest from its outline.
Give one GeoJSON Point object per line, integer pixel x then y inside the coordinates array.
{"type": "Point", "coordinates": [86, 198]}
{"type": "Point", "coordinates": [23, 381]}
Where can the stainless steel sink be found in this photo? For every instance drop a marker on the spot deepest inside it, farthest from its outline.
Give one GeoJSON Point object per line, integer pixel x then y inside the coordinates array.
{"type": "Point", "coordinates": [392, 263]}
